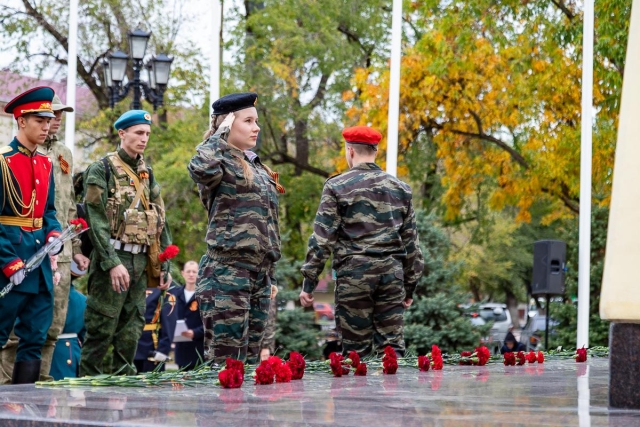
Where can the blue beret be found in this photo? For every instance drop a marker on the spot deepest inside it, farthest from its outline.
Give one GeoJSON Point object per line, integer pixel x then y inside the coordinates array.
{"type": "Point", "coordinates": [131, 118]}
{"type": "Point", "coordinates": [234, 102]}
{"type": "Point", "coordinates": [36, 101]}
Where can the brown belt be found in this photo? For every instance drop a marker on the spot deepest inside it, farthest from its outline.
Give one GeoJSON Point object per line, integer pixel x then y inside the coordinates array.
{"type": "Point", "coordinates": [150, 326]}
{"type": "Point", "coordinates": [21, 222]}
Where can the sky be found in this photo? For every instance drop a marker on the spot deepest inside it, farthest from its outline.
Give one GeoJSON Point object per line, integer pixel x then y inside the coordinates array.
{"type": "Point", "coordinates": [200, 11]}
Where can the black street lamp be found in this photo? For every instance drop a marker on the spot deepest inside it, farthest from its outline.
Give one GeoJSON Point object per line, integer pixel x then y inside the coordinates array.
{"type": "Point", "coordinates": [158, 70]}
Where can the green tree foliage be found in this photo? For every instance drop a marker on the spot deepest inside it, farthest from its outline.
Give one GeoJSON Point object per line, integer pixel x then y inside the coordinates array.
{"type": "Point", "coordinates": [567, 313]}
{"type": "Point", "coordinates": [296, 329]}
{"type": "Point", "coordinates": [436, 316]}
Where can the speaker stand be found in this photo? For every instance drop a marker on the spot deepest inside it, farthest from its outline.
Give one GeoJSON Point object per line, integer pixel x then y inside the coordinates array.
{"type": "Point", "coordinates": [546, 324]}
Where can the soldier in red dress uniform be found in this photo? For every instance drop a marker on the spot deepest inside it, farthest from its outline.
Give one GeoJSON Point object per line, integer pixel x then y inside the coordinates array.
{"type": "Point", "coordinates": [27, 222]}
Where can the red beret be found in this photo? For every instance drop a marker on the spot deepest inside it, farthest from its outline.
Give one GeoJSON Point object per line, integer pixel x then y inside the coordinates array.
{"type": "Point", "coordinates": [362, 135]}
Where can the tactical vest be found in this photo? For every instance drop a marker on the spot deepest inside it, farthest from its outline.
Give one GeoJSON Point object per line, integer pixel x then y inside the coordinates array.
{"type": "Point", "coordinates": [132, 218]}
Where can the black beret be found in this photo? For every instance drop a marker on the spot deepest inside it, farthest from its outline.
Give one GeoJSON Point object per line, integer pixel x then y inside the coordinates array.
{"type": "Point", "coordinates": [234, 102]}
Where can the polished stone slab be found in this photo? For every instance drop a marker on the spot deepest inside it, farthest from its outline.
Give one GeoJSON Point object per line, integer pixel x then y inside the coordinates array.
{"type": "Point", "coordinates": [624, 376]}
{"type": "Point", "coordinates": [557, 393]}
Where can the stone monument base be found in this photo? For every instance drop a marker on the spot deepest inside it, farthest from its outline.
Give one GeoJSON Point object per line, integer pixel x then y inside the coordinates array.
{"type": "Point", "coordinates": [624, 366]}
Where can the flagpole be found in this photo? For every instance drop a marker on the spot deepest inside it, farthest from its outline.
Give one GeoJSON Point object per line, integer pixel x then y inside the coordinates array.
{"type": "Point", "coordinates": [394, 88]}
{"type": "Point", "coordinates": [216, 58]}
{"type": "Point", "coordinates": [72, 51]}
{"type": "Point", "coordinates": [586, 148]}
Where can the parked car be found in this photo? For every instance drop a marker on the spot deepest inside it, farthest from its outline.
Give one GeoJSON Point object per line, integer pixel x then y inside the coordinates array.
{"type": "Point", "coordinates": [324, 311]}
{"type": "Point", "coordinates": [532, 334]}
{"type": "Point", "coordinates": [500, 319]}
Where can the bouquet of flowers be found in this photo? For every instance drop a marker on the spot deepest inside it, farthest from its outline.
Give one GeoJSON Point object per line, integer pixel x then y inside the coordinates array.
{"type": "Point", "coordinates": [76, 227]}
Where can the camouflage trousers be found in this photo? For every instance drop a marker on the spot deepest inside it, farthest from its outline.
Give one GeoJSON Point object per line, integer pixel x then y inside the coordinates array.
{"type": "Point", "coordinates": [234, 305]}
{"type": "Point", "coordinates": [113, 318]}
{"type": "Point", "coordinates": [369, 310]}
{"type": "Point", "coordinates": [60, 303]}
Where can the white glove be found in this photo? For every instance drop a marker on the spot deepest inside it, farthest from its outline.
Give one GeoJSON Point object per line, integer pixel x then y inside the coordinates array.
{"type": "Point", "coordinates": [160, 357]}
{"type": "Point", "coordinates": [17, 277]}
{"type": "Point", "coordinates": [56, 248]}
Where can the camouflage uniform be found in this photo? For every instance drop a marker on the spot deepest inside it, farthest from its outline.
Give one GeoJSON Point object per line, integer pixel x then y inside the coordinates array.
{"type": "Point", "coordinates": [366, 219]}
{"type": "Point", "coordinates": [243, 243]}
{"type": "Point", "coordinates": [111, 317]}
{"type": "Point", "coordinates": [65, 204]}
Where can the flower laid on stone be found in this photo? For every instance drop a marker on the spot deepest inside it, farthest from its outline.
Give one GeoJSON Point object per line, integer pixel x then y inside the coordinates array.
{"type": "Point", "coordinates": [521, 358]}
{"type": "Point", "coordinates": [424, 363]}
{"type": "Point", "coordinates": [296, 364]}
{"type": "Point", "coordinates": [541, 357]}
{"type": "Point", "coordinates": [389, 361]}
{"type": "Point", "coordinates": [264, 373]}
{"type": "Point", "coordinates": [231, 376]}
{"type": "Point", "coordinates": [465, 358]}
{"type": "Point", "coordinates": [359, 368]}
{"type": "Point", "coordinates": [338, 365]}
{"type": "Point", "coordinates": [437, 363]}
{"type": "Point", "coordinates": [581, 355]}
{"type": "Point", "coordinates": [509, 359]}
{"type": "Point", "coordinates": [483, 354]}
{"type": "Point", "coordinates": [532, 357]}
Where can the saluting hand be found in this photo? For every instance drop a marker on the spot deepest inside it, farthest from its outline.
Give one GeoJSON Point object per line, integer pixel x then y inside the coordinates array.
{"type": "Point", "coordinates": [119, 278]}
{"type": "Point", "coordinates": [306, 299]}
{"type": "Point", "coordinates": [228, 121]}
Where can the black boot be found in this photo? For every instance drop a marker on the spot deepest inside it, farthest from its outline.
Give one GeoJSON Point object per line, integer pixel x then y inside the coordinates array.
{"type": "Point", "coordinates": [26, 372]}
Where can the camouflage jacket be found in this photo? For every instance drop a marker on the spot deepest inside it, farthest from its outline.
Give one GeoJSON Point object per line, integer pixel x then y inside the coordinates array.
{"type": "Point", "coordinates": [100, 197]}
{"type": "Point", "coordinates": [364, 212]}
{"type": "Point", "coordinates": [243, 216]}
{"type": "Point", "coordinates": [65, 198]}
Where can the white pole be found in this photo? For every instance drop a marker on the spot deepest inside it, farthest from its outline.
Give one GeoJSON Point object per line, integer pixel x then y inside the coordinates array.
{"type": "Point", "coordinates": [70, 123]}
{"type": "Point", "coordinates": [394, 88]}
{"type": "Point", "coordinates": [214, 82]}
{"type": "Point", "coordinates": [584, 254]}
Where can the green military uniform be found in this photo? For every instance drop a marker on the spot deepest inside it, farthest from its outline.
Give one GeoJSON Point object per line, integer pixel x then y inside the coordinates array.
{"type": "Point", "coordinates": [243, 241]}
{"type": "Point", "coordinates": [65, 204]}
{"type": "Point", "coordinates": [121, 232]}
{"type": "Point", "coordinates": [366, 219]}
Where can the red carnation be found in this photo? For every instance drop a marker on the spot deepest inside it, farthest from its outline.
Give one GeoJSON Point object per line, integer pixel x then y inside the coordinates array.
{"type": "Point", "coordinates": [336, 364]}
{"type": "Point", "coordinates": [435, 351]}
{"type": "Point", "coordinates": [235, 364]}
{"type": "Point", "coordinates": [531, 357]}
{"type": "Point", "coordinates": [355, 359]}
{"type": "Point", "coordinates": [390, 352]}
{"type": "Point", "coordinates": [466, 354]}
{"type": "Point", "coordinates": [170, 252]}
{"type": "Point", "coordinates": [274, 361]}
{"type": "Point", "coordinates": [424, 363]}
{"type": "Point", "coordinates": [283, 373]}
{"type": "Point", "coordinates": [521, 358]}
{"type": "Point", "coordinates": [389, 365]}
{"type": "Point", "coordinates": [230, 378]}
{"type": "Point", "coordinates": [509, 359]}
{"type": "Point", "coordinates": [581, 355]}
{"type": "Point", "coordinates": [296, 364]}
{"type": "Point", "coordinates": [483, 355]}
{"type": "Point", "coordinates": [540, 357]}
{"type": "Point", "coordinates": [361, 370]}
{"type": "Point", "coordinates": [79, 222]}
{"type": "Point", "coordinates": [436, 362]}
{"type": "Point", "coordinates": [264, 373]}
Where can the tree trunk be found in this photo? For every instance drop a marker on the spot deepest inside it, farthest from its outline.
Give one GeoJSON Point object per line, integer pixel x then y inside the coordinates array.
{"type": "Point", "coordinates": [512, 306]}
